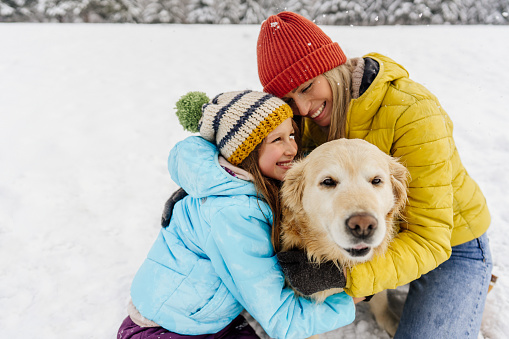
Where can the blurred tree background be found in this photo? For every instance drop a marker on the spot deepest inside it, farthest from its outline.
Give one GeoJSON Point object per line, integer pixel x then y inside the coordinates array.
{"type": "Point", "coordinates": [328, 12]}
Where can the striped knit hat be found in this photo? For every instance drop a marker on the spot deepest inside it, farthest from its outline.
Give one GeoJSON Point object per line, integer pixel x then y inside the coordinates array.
{"type": "Point", "coordinates": [238, 121]}
{"type": "Point", "coordinates": [292, 50]}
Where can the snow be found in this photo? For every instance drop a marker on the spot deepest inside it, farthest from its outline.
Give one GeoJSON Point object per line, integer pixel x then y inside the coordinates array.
{"type": "Point", "coordinates": [87, 121]}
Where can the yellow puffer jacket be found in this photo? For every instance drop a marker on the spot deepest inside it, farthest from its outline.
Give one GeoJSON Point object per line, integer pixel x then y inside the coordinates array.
{"type": "Point", "coordinates": [445, 206]}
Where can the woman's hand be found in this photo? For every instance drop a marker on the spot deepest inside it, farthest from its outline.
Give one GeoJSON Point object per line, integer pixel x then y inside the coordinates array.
{"type": "Point", "coordinates": [168, 206]}
{"type": "Point", "coordinates": [356, 300]}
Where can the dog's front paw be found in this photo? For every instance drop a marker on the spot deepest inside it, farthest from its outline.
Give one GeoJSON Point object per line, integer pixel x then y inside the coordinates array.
{"type": "Point", "coordinates": [385, 317]}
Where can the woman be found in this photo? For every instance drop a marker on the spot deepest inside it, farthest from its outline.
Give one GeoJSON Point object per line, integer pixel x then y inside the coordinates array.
{"type": "Point", "coordinates": [442, 249]}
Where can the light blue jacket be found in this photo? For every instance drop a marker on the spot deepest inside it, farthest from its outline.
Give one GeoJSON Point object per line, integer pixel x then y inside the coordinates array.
{"type": "Point", "coordinates": [216, 258]}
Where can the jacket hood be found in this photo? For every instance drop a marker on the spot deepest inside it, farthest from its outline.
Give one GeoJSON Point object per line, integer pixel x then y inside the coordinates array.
{"type": "Point", "coordinates": [369, 102]}
{"type": "Point", "coordinates": [193, 165]}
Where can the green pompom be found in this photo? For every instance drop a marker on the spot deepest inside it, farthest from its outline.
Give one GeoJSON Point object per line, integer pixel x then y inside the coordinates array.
{"type": "Point", "coordinates": [189, 110]}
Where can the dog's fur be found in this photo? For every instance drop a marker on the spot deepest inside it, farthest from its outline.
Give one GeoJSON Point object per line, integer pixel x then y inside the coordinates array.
{"type": "Point", "coordinates": [340, 204]}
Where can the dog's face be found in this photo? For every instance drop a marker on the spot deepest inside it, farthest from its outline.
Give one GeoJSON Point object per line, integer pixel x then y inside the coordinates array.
{"type": "Point", "coordinates": [340, 201]}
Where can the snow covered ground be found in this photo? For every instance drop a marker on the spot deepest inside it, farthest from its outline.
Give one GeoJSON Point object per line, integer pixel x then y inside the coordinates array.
{"type": "Point", "coordinates": [87, 120]}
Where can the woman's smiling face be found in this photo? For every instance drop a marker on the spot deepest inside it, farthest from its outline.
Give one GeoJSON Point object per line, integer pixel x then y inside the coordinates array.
{"type": "Point", "coordinates": [312, 99]}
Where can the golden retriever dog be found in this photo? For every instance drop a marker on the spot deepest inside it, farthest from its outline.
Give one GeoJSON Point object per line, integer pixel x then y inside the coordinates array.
{"type": "Point", "coordinates": [340, 204]}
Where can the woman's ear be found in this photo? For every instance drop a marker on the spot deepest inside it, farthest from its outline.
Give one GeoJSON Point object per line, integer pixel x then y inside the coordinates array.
{"type": "Point", "coordinates": [399, 180]}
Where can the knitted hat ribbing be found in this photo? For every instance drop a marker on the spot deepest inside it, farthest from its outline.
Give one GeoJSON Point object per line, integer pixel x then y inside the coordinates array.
{"type": "Point", "coordinates": [238, 121]}
{"type": "Point", "coordinates": [292, 50]}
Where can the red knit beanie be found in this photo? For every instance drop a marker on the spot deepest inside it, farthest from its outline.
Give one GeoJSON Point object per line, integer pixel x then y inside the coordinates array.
{"type": "Point", "coordinates": [292, 50]}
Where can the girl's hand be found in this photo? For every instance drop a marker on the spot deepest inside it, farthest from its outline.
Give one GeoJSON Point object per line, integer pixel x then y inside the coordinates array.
{"type": "Point", "coordinates": [307, 277]}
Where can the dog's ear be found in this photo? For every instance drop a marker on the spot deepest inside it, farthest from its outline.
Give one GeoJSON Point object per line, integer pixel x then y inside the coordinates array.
{"type": "Point", "coordinates": [399, 181]}
{"type": "Point", "coordinates": [293, 187]}
{"type": "Point", "coordinates": [293, 216]}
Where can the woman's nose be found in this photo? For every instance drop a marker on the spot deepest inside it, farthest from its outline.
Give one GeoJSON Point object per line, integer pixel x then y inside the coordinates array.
{"type": "Point", "coordinates": [302, 106]}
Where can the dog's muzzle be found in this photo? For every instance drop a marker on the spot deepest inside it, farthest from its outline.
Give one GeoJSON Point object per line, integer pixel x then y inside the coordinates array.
{"type": "Point", "coordinates": [362, 225]}
{"type": "Point", "coordinates": [358, 252]}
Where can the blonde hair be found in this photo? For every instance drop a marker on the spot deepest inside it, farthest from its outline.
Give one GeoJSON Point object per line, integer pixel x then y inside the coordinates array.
{"type": "Point", "coordinates": [340, 81]}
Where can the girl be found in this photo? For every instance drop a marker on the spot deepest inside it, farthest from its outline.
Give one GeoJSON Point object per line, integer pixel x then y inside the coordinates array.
{"type": "Point", "coordinates": [216, 257]}
{"type": "Point", "coordinates": [442, 248]}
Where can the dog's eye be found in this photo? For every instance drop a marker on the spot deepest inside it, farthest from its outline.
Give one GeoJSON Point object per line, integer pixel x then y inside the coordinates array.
{"type": "Point", "coordinates": [329, 182]}
{"type": "Point", "coordinates": [376, 181]}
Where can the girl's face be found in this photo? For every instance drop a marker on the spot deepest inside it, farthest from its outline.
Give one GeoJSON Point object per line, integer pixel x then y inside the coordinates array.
{"type": "Point", "coordinates": [312, 99]}
{"type": "Point", "coordinates": [277, 151]}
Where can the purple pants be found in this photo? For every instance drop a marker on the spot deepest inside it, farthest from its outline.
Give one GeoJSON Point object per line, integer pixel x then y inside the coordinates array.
{"type": "Point", "coordinates": [237, 329]}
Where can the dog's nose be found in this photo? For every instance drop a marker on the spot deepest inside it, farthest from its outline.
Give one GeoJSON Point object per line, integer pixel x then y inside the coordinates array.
{"type": "Point", "coordinates": [362, 225]}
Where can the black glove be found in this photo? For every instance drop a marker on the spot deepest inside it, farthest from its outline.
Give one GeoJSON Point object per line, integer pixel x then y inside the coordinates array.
{"type": "Point", "coordinates": [307, 277]}
{"type": "Point", "coordinates": [368, 298]}
{"type": "Point", "coordinates": [168, 206]}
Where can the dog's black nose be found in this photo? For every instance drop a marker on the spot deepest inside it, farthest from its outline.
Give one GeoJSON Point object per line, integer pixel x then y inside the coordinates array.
{"type": "Point", "coordinates": [362, 225]}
